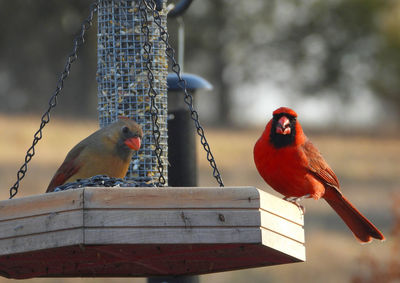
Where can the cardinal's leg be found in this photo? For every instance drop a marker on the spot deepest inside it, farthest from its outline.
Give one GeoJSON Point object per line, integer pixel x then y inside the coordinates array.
{"type": "Point", "coordinates": [295, 201]}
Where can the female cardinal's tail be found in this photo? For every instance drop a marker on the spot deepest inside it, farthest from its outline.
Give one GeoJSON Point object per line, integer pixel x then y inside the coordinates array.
{"type": "Point", "coordinates": [361, 227]}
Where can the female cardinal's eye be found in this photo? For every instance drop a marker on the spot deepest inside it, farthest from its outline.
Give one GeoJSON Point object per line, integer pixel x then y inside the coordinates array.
{"type": "Point", "coordinates": [125, 130]}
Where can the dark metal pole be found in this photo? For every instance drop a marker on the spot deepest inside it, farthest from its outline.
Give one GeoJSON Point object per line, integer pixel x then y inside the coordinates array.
{"type": "Point", "coordinates": [182, 153]}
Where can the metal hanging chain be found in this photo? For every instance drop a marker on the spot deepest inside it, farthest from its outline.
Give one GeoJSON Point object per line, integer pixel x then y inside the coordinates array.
{"type": "Point", "coordinates": [170, 52]}
{"type": "Point", "coordinates": [152, 93]}
{"type": "Point", "coordinates": [78, 41]}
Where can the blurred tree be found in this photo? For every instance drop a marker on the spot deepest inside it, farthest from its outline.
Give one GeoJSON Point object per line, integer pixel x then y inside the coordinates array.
{"type": "Point", "coordinates": [387, 79]}
{"type": "Point", "coordinates": [316, 47]}
{"type": "Point", "coordinates": [206, 49]}
{"type": "Point", "coordinates": [35, 41]}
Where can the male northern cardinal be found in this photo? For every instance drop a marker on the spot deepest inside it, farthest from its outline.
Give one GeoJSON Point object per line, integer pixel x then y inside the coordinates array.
{"type": "Point", "coordinates": [107, 151]}
{"type": "Point", "coordinates": [294, 167]}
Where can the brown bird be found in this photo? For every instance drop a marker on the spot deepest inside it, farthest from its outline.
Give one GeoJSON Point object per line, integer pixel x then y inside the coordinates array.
{"type": "Point", "coordinates": [293, 166]}
{"type": "Point", "coordinates": [107, 151]}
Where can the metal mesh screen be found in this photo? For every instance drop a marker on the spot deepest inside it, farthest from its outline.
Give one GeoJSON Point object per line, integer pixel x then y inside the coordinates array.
{"type": "Point", "coordinates": [123, 85]}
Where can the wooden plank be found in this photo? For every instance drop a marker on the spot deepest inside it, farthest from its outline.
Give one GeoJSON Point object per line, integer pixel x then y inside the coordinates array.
{"type": "Point", "coordinates": [282, 226]}
{"type": "Point", "coordinates": [190, 218]}
{"type": "Point", "coordinates": [139, 260]}
{"type": "Point", "coordinates": [172, 218]}
{"type": "Point", "coordinates": [171, 197]}
{"type": "Point", "coordinates": [283, 244]}
{"type": "Point", "coordinates": [140, 235]}
{"type": "Point", "coordinates": [41, 204]}
{"type": "Point", "coordinates": [281, 207]}
{"type": "Point", "coordinates": [45, 240]}
{"type": "Point", "coordinates": [193, 197]}
{"type": "Point", "coordinates": [41, 224]}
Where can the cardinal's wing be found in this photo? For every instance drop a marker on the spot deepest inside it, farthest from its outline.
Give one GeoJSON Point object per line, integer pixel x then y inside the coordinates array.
{"type": "Point", "coordinates": [68, 168]}
{"type": "Point", "coordinates": [319, 167]}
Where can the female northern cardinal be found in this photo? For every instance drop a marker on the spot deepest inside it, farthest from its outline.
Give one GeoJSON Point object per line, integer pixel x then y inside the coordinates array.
{"type": "Point", "coordinates": [105, 152]}
{"type": "Point", "coordinates": [294, 167]}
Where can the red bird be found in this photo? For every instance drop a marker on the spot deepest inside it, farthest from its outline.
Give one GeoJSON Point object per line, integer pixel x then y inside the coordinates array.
{"type": "Point", "coordinates": [107, 151]}
{"type": "Point", "coordinates": [294, 167]}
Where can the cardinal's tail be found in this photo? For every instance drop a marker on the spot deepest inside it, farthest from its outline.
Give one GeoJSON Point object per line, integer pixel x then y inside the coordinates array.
{"type": "Point", "coordinates": [361, 227]}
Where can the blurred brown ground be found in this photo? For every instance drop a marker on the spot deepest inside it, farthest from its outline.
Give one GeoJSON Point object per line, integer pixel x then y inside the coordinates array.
{"type": "Point", "coordinates": [368, 168]}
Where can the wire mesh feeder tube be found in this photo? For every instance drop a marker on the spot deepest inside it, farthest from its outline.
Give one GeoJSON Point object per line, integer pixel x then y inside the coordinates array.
{"type": "Point", "coordinates": [132, 80]}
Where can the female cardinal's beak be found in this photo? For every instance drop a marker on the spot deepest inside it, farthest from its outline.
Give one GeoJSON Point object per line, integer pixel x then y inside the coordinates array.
{"type": "Point", "coordinates": [133, 143]}
{"type": "Point", "coordinates": [283, 126]}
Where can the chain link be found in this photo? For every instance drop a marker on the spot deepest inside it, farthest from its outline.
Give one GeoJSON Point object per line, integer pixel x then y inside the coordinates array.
{"type": "Point", "coordinates": [152, 93]}
{"type": "Point", "coordinates": [78, 41]}
{"type": "Point", "coordinates": [170, 52]}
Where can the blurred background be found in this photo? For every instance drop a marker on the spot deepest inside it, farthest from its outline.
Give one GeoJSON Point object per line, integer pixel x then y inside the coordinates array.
{"type": "Point", "coordinates": [336, 62]}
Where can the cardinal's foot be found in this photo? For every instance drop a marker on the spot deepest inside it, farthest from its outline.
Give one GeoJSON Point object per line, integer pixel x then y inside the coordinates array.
{"type": "Point", "coordinates": [295, 201]}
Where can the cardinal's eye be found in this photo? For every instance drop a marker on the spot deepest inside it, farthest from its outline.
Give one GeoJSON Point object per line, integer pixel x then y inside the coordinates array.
{"type": "Point", "coordinates": [125, 130]}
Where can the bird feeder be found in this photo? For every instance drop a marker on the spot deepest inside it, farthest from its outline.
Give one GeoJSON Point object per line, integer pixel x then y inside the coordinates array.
{"type": "Point", "coordinates": [143, 232]}
{"type": "Point", "coordinates": [132, 79]}
{"type": "Point", "coordinates": [103, 232]}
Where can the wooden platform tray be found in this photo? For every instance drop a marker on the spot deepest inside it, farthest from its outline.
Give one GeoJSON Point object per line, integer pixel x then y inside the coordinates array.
{"type": "Point", "coordinates": [141, 232]}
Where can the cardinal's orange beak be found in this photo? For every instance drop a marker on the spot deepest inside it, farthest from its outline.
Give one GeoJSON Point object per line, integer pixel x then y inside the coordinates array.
{"type": "Point", "coordinates": [133, 143]}
{"type": "Point", "coordinates": [283, 126]}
